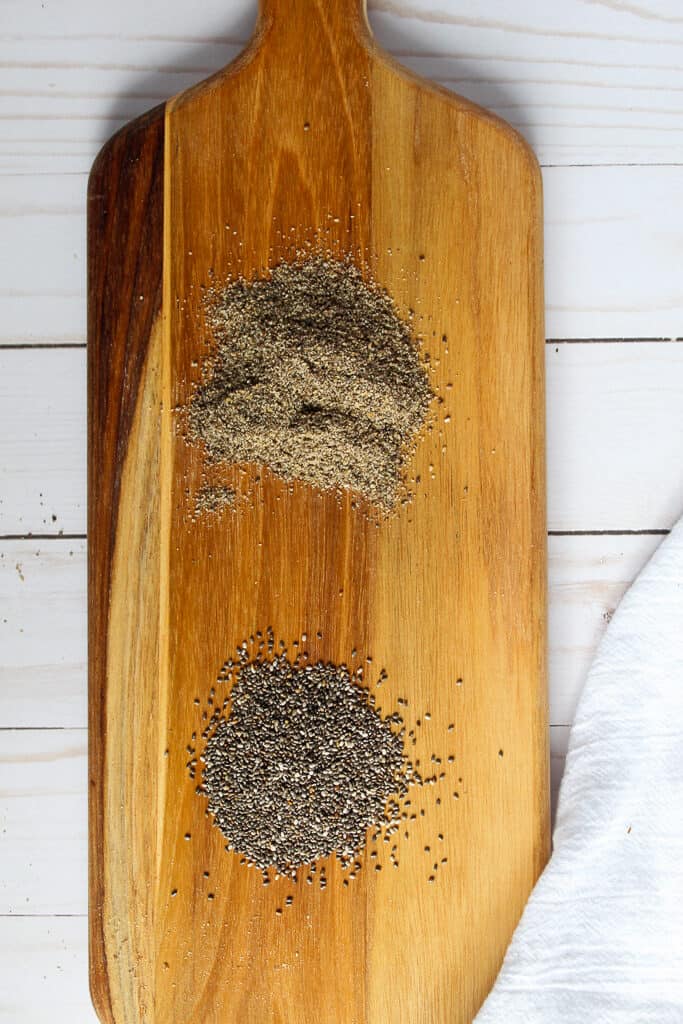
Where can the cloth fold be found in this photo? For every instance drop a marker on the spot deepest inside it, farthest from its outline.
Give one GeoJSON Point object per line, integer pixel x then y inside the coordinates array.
{"type": "Point", "coordinates": [601, 938]}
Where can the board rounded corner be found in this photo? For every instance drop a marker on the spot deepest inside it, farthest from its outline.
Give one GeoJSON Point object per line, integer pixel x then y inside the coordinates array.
{"type": "Point", "coordinates": [112, 151]}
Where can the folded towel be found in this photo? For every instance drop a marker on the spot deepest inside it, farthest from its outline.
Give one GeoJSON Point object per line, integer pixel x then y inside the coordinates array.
{"type": "Point", "coordinates": [601, 939]}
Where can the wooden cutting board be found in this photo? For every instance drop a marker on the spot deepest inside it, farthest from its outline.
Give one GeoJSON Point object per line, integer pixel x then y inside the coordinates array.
{"type": "Point", "coordinates": [313, 135]}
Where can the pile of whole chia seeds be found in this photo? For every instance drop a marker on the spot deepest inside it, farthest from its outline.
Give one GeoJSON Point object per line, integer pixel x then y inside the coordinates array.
{"type": "Point", "coordinates": [315, 375]}
{"type": "Point", "coordinates": [300, 764]}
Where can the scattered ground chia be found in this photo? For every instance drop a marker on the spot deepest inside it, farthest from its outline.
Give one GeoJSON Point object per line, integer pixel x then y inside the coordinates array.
{"type": "Point", "coordinates": [213, 499]}
{"type": "Point", "coordinates": [314, 375]}
{"type": "Point", "coordinates": [300, 765]}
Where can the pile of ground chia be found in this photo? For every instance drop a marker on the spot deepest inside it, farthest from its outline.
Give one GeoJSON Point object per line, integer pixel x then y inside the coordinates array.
{"type": "Point", "coordinates": [299, 764]}
{"type": "Point", "coordinates": [315, 375]}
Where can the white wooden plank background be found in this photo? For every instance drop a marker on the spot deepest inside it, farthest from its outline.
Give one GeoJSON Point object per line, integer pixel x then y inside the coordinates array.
{"type": "Point", "coordinates": [586, 82]}
{"type": "Point", "coordinates": [595, 85]}
{"type": "Point", "coordinates": [45, 970]}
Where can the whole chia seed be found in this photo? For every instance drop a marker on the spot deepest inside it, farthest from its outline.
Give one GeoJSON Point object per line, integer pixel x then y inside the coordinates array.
{"type": "Point", "coordinates": [299, 764]}
{"type": "Point", "coordinates": [314, 375]}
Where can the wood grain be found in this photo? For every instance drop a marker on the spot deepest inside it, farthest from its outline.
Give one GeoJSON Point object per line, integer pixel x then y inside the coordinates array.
{"type": "Point", "coordinates": [125, 248]}
{"type": "Point", "coordinates": [442, 204]}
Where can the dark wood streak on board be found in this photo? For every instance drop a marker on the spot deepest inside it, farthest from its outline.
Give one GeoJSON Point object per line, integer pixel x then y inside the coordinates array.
{"type": "Point", "coordinates": [125, 257]}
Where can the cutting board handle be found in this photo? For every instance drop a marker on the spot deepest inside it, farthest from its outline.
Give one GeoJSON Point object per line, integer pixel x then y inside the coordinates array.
{"type": "Point", "coordinates": [346, 15]}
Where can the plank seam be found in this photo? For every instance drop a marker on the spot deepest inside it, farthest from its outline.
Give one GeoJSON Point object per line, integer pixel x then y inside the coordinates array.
{"type": "Point", "coordinates": [46, 916]}
{"type": "Point", "coordinates": [609, 533]}
{"type": "Point", "coordinates": [18, 346]}
{"type": "Point", "coordinates": [43, 536]}
{"type": "Point", "coordinates": [43, 728]}
{"type": "Point", "coordinates": [658, 532]}
{"type": "Point", "coordinates": [613, 341]}
{"type": "Point", "coordinates": [53, 346]}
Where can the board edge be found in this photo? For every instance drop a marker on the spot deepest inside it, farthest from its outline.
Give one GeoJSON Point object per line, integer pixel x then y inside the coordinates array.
{"type": "Point", "coordinates": [125, 188]}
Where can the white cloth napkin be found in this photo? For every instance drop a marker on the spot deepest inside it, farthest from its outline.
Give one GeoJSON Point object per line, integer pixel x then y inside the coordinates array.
{"type": "Point", "coordinates": [601, 938]}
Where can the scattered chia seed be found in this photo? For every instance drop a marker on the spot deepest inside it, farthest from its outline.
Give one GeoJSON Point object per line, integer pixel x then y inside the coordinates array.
{"type": "Point", "coordinates": [314, 375]}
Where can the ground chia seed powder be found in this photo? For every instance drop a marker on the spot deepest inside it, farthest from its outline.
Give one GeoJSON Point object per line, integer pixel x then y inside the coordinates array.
{"type": "Point", "coordinates": [213, 499]}
{"type": "Point", "coordinates": [315, 375]}
{"type": "Point", "coordinates": [300, 765]}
